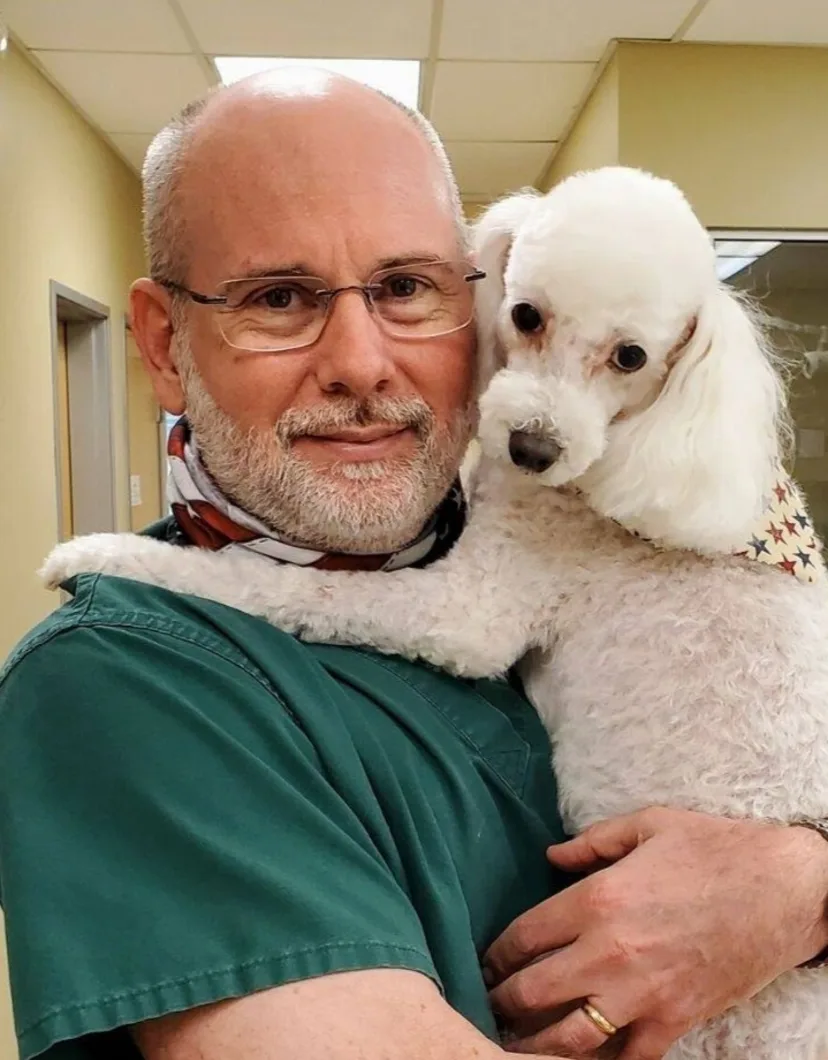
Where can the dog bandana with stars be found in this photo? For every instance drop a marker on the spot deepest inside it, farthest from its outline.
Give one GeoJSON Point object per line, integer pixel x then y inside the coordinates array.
{"type": "Point", "coordinates": [785, 537]}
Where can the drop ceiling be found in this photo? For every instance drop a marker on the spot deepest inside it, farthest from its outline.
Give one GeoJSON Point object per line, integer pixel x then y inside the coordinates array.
{"type": "Point", "coordinates": [501, 79]}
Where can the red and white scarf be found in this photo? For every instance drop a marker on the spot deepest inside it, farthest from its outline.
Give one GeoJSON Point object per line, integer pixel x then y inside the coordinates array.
{"type": "Point", "coordinates": [208, 519]}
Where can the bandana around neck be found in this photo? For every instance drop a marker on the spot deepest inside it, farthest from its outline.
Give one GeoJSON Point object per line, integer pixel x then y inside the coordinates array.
{"type": "Point", "coordinates": [206, 518]}
{"type": "Point", "coordinates": [784, 537]}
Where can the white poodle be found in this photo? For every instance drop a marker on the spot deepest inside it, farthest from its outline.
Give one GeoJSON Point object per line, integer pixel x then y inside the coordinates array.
{"type": "Point", "coordinates": [631, 438]}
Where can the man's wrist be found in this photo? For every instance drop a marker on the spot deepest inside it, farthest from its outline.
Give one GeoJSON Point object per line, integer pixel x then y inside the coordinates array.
{"type": "Point", "coordinates": [818, 829]}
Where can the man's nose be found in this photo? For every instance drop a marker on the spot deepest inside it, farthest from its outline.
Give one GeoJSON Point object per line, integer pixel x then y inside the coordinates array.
{"type": "Point", "coordinates": [354, 355]}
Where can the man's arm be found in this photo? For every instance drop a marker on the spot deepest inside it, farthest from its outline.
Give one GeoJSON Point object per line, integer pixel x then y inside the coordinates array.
{"type": "Point", "coordinates": [382, 1014]}
{"type": "Point", "coordinates": [203, 833]}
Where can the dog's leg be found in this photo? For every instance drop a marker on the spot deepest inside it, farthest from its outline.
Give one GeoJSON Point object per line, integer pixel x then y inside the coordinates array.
{"type": "Point", "coordinates": [474, 613]}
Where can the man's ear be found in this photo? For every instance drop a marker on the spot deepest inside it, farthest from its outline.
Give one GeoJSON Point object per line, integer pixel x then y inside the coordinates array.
{"type": "Point", "coordinates": [151, 321]}
{"type": "Point", "coordinates": [492, 238]}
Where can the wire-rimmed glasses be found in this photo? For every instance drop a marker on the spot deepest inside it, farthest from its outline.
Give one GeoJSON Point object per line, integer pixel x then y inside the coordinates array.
{"type": "Point", "coordinates": [273, 314]}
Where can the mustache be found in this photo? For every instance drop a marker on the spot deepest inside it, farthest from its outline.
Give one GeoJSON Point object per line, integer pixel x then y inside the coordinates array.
{"type": "Point", "coordinates": [412, 413]}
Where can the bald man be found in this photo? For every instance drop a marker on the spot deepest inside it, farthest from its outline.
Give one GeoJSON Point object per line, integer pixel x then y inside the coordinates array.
{"type": "Point", "coordinates": [219, 843]}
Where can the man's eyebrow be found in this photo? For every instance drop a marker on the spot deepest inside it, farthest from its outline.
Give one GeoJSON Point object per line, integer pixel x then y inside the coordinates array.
{"type": "Point", "coordinates": [408, 259]}
{"type": "Point", "coordinates": [298, 268]}
{"type": "Point", "coordinates": [258, 272]}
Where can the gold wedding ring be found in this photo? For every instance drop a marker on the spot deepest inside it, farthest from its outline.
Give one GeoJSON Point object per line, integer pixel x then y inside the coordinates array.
{"type": "Point", "coordinates": [599, 1019]}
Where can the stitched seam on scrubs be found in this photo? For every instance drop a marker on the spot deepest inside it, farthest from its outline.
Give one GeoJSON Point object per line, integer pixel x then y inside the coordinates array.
{"type": "Point", "coordinates": [70, 621]}
{"type": "Point", "coordinates": [123, 995]}
{"type": "Point", "coordinates": [465, 736]}
{"type": "Point", "coordinates": [137, 620]}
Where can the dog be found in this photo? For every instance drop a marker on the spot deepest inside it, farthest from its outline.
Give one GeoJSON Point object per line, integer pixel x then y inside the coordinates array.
{"type": "Point", "coordinates": [632, 429]}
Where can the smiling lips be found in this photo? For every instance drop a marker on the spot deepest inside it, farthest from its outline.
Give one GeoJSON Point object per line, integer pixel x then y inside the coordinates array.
{"type": "Point", "coordinates": [360, 435]}
{"type": "Point", "coordinates": [353, 444]}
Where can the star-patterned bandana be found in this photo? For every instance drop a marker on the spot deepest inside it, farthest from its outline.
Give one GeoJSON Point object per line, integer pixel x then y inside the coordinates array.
{"type": "Point", "coordinates": [206, 518]}
{"type": "Point", "coordinates": [785, 537]}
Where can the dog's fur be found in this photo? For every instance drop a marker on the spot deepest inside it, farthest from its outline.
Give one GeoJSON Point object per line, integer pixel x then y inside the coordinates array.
{"type": "Point", "coordinates": [667, 670]}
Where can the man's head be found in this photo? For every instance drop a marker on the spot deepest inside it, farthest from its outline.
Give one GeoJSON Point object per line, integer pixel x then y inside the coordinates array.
{"type": "Point", "coordinates": [310, 173]}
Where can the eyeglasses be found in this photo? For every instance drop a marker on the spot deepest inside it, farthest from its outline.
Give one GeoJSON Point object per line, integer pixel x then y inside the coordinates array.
{"type": "Point", "coordinates": [272, 314]}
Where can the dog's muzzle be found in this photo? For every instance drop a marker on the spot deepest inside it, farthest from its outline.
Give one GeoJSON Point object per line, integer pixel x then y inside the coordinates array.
{"type": "Point", "coordinates": [533, 451]}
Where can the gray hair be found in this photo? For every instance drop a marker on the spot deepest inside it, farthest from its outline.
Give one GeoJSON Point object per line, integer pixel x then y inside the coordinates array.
{"type": "Point", "coordinates": [160, 177]}
{"type": "Point", "coordinates": [164, 235]}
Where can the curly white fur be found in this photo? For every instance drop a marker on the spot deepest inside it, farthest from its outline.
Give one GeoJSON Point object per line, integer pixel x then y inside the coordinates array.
{"type": "Point", "coordinates": [670, 673]}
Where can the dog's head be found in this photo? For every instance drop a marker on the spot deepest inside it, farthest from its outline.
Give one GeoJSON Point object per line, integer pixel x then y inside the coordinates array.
{"type": "Point", "coordinates": [620, 363]}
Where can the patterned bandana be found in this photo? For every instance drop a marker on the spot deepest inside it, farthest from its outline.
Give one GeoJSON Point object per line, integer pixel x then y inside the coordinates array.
{"type": "Point", "coordinates": [785, 537]}
{"type": "Point", "coordinates": [207, 519]}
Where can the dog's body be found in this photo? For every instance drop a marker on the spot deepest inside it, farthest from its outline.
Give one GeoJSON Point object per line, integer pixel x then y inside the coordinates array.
{"type": "Point", "coordinates": [667, 670]}
{"type": "Point", "coordinates": [664, 677]}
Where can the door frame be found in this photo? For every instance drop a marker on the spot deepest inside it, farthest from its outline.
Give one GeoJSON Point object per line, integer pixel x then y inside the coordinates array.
{"type": "Point", "coordinates": [90, 409]}
{"type": "Point", "coordinates": [162, 434]}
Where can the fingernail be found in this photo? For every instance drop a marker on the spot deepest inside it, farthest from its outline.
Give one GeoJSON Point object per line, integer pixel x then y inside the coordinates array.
{"type": "Point", "coordinates": [488, 976]}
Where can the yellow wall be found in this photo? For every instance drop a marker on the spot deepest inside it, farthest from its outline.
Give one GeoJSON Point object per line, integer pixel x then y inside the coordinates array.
{"type": "Point", "coordinates": [473, 210]}
{"type": "Point", "coordinates": [593, 140]}
{"type": "Point", "coordinates": [69, 211]}
{"type": "Point", "coordinates": [742, 130]}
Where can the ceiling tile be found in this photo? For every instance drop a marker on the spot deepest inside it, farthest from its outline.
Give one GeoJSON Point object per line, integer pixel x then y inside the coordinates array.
{"type": "Point", "coordinates": [762, 22]}
{"type": "Point", "coordinates": [96, 25]}
{"type": "Point", "coordinates": [328, 29]}
{"type": "Point", "coordinates": [560, 30]}
{"type": "Point", "coordinates": [127, 93]}
{"type": "Point", "coordinates": [491, 169]}
{"type": "Point", "coordinates": [133, 146]}
{"type": "Point", "coordinates": [507, 101]}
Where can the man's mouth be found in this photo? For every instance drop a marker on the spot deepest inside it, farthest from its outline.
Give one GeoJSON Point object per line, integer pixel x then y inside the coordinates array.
{"type": "Point", "coordinates": [356, 444]}
{"type": "Point", "coordinates": [360, 435]}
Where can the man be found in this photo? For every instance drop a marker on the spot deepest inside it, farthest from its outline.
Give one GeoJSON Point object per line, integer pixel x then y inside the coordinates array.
{"type": "Point", "coordinates": [219, 843]}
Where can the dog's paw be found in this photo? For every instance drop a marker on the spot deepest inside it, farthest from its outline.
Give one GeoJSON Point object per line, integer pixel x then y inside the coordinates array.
{"type": "Point", "coordinates": [467, 661]}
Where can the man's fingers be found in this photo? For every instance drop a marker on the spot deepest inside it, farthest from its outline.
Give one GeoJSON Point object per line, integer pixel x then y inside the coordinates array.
{"type": "Point", "coordinates": [547, 984]}
{"type": "Point", "coordinates": [605, 842]}
{"type": "Point", "coordinates": [549, 926]}
{"type": "Point", "coordinates": [576, 1035]}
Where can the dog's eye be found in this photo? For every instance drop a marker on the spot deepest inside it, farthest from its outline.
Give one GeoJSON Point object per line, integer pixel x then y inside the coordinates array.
{"type": "Point", "coordinates": [526, 318]}
{"type": "Point", "coordinates": [628, 358]}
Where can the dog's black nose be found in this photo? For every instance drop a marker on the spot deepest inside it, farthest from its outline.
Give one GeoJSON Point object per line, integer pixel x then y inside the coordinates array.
{"type": "Point", "coordinates": [533, 452]}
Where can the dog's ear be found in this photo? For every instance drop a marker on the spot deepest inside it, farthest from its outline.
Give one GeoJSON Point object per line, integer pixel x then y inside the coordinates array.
{"type": "Point", "coordinates": [695, 469]}
{"type": "Point", "coordinates": [492, 238]}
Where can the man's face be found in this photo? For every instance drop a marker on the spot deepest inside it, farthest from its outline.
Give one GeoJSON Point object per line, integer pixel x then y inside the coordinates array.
{"type": "Point", "coordinates": [350, 443]}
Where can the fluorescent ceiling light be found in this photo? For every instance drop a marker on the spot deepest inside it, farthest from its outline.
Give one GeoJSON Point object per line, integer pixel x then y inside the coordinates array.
{"type": "Point", "coordinates": [744, 248]}
{"type": "Point", "coordinates": [399, 78]}
{"type": "Point", "coordinates": [736, 255]}
{"type": "Point", "coordinates": [727, 267]}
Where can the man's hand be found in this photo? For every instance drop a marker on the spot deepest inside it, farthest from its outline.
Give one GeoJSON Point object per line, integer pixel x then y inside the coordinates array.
{"type": "Point", "coordinates": [687, 915]}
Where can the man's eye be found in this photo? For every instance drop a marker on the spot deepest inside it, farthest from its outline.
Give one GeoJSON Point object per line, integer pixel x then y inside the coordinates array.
{"type": "Point", "coordinates": [403, 286]}
{"type": "Point", "coordinates": [275, 297]}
